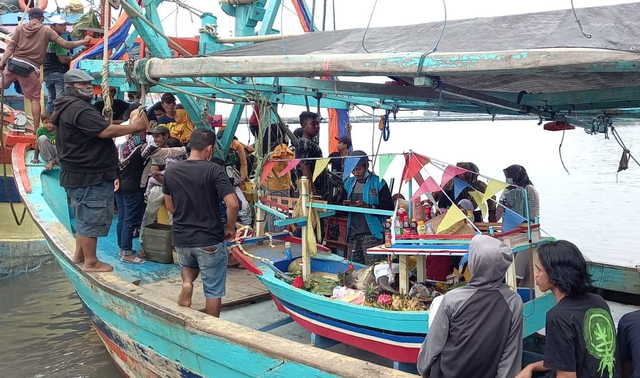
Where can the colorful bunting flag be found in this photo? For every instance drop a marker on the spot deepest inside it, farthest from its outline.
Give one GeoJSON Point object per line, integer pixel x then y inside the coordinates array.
{"type": "Point", "coordinates": [321, 164]}
{"type": "Point", "coordinates": [429, 185]}
{"type": "Point", "coordinates": [349, 165]}
{"type": "Point", "coordinates": [477, 197]}
{"type": "Point", "coordinates": [290, 165]}
{"type": "Point", "coordinates": [449, 173]}
{"type": "Point", "coordinates": [453, 216]}
{"type": "Point", "coordinates": [458, 187]}
{"type": "Point", "coordinates": [511, 220]}
{"type": "Point", "coordinates": [266, 169]}
{"type": "Point", "coordinates": [385, 160]}
{"type": "Point", "coordinates": [413, 165]}
{"type": "Point", "coordinates": [493, 187]}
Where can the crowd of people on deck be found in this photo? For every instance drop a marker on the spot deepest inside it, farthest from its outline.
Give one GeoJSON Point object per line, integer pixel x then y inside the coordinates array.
{"type": "Point", "coordinates": [139, 161]}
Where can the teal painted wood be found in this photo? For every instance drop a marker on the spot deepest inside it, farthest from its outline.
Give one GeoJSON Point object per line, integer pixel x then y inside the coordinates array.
{"type": "Point", "coordinates": [535, 313]}
{"type": "Point", "coordinates": [54, 196]}
{"type": "Point", "coordinates": [229, 131]}
{"type": "Point", "coordinates": [199, 352]}
{"type": "Point", "coordinates": [394, 321]}
{"type": "Point", "coordinates": [425, 241]}
{"type": "Point", "coordinates": [352, 209]}
{"type": "Point", "coordinates": [271, 11]}
{"type": "Point", "coordinates": [302, 221]}
{"type": "Point", "coordinates": [615, 278]}
{"type": "Point", "coordinates": [270, 210]}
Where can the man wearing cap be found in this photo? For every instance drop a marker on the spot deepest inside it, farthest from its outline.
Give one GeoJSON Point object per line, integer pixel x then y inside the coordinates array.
{"type": "Point", "coordinates": [88, 164]}
{"type": "Point", "coordinates": [365, 189]}
{"type": "Point", "coordinates": [168, 101]}
{"type": "Point", "coordinates": [135, 154]}
{"type": "Point", "coordinates": [56, 62]}
{"type": "Point", "coordinates": [337, 161]}
{"type": "Point", "coordinates": [25, 54]}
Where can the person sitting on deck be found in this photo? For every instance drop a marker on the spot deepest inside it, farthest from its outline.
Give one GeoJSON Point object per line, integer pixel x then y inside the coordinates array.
{"type": "Point", "coordinates": [192, 191]}
{"type": "Point", "coordinates": [119, 107]}
{"type": "Point", "coordinates": [477, 329]}
{"type": "Point", "coordinates": [88, 164]}
{"type": "Point", "coordinates": [337, 161]}
{"type": "Point", "coordinates": [471, 178]}
{"type": "Point", "coordinates": [155, 198]}
{"type": "Point", "coordinates": [629, 344]}
{"type": "Point", "coordinates": [135, 154]}
{"type": "Point", "coordinates": [25, 54]}
{"type": "Point", "coordinates": [46, 143]}
{"type": "Point", "coordinates": [365, 189]}
{"type": "Point", "coordinates": [580, 334]}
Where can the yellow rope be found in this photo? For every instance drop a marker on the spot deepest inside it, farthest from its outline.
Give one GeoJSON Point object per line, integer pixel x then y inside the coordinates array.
{"type": "Point", "coordinates": [107, 111]}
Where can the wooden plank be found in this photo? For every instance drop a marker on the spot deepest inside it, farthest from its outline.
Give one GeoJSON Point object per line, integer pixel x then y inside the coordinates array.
{"type": "Point", "coordinates": [242, 287]}
{"type": "Point", "coordinates": [398, 64]}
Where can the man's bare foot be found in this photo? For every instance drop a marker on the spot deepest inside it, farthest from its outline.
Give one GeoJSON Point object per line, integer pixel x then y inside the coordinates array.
{"type": "Point", "coordinates": [184, 298]}
{"type": "Point", "coordinates": [78, 258]}
{"type": "Point", "coordinates": [98, 267]}
{"type": "Point", "coordinates": [49, 165]}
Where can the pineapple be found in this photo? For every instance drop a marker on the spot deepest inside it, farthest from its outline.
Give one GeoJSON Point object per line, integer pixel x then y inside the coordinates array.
{"type": "Point", "coordinates": [370, 293]}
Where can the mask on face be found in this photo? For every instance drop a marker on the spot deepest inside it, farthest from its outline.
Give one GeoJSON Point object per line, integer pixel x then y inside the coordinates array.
{"type": "Point", "coordinates": [86, 93]}
{"type": "Point", "coordinates": [509, 181]}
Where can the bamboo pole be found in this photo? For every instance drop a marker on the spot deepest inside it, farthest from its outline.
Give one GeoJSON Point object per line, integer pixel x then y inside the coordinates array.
{"type": "Point", "coordinates": [256, 38]}
{"type": "Point", "coordinates": [395, 64]}
{"type": "Point", "coordinates": [306, 258]}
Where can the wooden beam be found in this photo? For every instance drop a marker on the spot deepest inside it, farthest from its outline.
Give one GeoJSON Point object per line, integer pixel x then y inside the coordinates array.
{"type": "Point", "coordinates": [395, 64]}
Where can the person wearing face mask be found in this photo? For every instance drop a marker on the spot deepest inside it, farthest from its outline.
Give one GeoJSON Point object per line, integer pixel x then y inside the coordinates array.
{"type": "Point", "coordinates": [193, 189]}
{"type": "Point", "coordinates": [365, 189]}
{"type": "Point", "coordinates": [88, 164]}
{"type": "Point", "coordinates": [513, 197]}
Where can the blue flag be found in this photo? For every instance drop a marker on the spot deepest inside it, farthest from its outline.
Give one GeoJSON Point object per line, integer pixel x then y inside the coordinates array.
{"type": "Point", "coordinates": [511, 220]}
{"type": "Point", "coordinates": [349, 164]}
{"type": "Point", "coordinates": [458, 187]}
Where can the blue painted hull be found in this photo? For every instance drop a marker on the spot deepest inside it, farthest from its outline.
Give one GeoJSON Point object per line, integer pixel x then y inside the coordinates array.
{"type": "Point", "coordinates": [396, 335]}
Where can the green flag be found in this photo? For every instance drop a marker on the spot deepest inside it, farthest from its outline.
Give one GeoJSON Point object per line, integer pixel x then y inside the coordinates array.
{"type": "Point", "coordinates": [385, 160]}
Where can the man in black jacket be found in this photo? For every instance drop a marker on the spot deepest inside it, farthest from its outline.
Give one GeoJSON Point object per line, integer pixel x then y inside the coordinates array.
{"type": "Point", "coordinates": [89, 164]}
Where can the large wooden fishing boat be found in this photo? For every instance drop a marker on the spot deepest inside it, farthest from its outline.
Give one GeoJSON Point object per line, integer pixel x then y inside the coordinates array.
{"type": "Point", "coordinates": [478, 68]}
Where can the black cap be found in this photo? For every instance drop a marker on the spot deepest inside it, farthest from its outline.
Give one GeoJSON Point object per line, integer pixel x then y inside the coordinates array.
{"type": "Point", "coordinates": [36, 13]}
{"type": "Point", "coordinates": [159, 130]}
{"type": "Point", "coordinates": [168, 97]}
{"type": "Point", "coordinates": [364, 159]}
{"type": "Point", "coordinates": [346, 140]}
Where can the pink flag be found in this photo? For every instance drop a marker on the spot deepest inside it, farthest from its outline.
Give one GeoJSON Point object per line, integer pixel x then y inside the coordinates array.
{"type": "Point", "coordinates": [451, 172]}
{"type": "Point", "coordinates": [266, 169]}
{"type": "Point", "coordinates": [428, 186]}
{"type": "Point", "coordinates": [292, 164]}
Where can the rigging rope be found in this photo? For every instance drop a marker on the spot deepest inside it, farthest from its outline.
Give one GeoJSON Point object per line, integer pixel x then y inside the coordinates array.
{"type": "Point", "coordinates": [560, 153]}
{"type": "Point", "coordinates": [588, 36]}
{"type": "Point", "coordinates": [107, 111]}
{"type": "Point", "coordinates": [368, 24]}
{"type": "Point", "coordinates": [435, 47]}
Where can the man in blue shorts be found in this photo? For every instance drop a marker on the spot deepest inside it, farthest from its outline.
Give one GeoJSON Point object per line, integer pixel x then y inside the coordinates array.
{"type": "Point", "coordinates": [88, 164]}
{"type": "Point", "coordinates": [192, 190]}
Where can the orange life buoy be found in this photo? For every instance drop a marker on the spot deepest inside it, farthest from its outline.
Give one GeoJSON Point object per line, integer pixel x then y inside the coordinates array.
{"type": "Point", "coordinates": [24, 7]}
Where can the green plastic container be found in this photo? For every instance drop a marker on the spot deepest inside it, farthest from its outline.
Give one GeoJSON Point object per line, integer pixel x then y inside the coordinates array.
{"type": "Point", "coordinates": [158, 244]}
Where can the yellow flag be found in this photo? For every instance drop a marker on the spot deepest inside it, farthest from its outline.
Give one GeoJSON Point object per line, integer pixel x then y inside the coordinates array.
{"type": "Point", "coordinates": [493, 187]}
{"type": "Point", "coordinates": [320, 166]}
{"type": "Point", "coordinates": [477, 196]}
{"type": "Point", "coordinates": [453, 216]}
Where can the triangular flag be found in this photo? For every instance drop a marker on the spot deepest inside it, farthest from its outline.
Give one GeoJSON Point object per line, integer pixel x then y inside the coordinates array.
{"type": "Point", "coordinates": [451, 172]}
{"type": "Point", "coordinates": [266, 169]}
{"type": "Point", "coordinates": [458, 187]}
{"type": "Point", "coordinates": [493, 187]}
{"type": "Point", "coordinates": [290, 165]}
{"type": "Point", "coordinates": [413, 165]}
{"type": "Point", "coordinates": [429, 185]}
{"type": "Point", "coordinates": [321, 164]}
{"type": "Point", "coordinates": [511, 220]}
{"type": "Point", "coordinates": [477, 197]}
{"type": "Point", "coordinates": [453, 216]}
{"type": "Point", "coordinates": [385, 161]}
{"type": "Point", "coordinates": [347, 167]}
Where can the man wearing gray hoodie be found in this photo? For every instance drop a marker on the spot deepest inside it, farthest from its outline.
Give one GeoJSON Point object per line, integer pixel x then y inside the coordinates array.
{"type": "Point", "coordinates": [477, 329]}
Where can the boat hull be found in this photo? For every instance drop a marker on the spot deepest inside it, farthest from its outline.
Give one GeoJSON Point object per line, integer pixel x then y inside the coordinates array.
{"type": "Point", "coordinates": [390, 334]}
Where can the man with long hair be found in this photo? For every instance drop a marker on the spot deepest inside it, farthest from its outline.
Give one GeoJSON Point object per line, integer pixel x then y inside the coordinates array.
{"type": "Point", "coordinates": [581, 336]}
